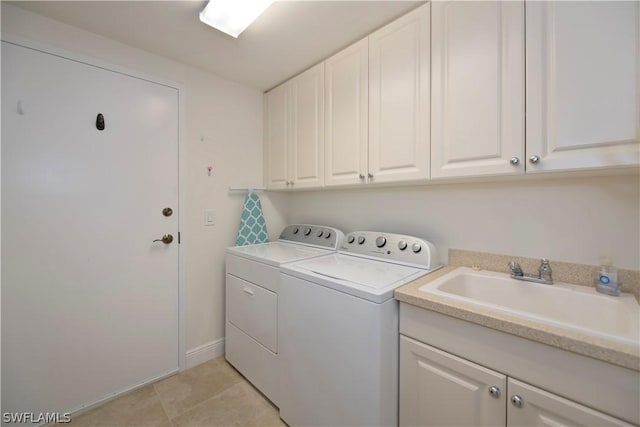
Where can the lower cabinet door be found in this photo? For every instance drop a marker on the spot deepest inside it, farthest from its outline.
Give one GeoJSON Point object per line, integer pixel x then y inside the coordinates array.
{"type": "Point", "coordinates": [530, 406]}
{"type": "Point", "coordinates": [439, 389]}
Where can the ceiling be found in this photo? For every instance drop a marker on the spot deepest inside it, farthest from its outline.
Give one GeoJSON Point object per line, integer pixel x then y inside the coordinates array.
{"type": "Point", "coordinates": [286, 39]}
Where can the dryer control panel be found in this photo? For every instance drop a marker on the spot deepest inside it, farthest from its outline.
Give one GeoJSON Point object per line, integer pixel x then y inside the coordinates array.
{"type": "Point", "coordinates": [397, 248]}
{"type": "Point", "coordinates": [313, 235]}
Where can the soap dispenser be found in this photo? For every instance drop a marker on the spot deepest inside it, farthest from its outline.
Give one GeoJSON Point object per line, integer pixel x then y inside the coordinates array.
{"type": "Point", "coordinates": [607, 280]}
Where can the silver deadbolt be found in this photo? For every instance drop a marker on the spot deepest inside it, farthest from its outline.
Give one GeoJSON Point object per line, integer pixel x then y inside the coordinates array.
{"type": "Point", "coordinates": [166, 239]}
{"type": "Point", "coordinates": [167, 211]}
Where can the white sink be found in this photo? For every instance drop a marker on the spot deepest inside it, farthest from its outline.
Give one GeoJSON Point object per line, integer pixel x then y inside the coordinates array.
{"type": "Point", "coordinates": [578, 308]}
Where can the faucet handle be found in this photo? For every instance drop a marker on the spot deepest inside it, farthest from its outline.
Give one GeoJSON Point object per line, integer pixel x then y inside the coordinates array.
{"type": "Point", "coordinates": [545, 270]}
{"type": "Point", "coordinates": [515, 268]}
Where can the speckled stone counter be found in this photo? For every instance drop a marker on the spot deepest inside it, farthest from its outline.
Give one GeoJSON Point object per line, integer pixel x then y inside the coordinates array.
{"type": "Point", "coordinates": [610, 351]}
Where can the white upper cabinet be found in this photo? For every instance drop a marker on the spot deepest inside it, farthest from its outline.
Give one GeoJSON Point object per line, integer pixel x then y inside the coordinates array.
{"type": "Point", "coordinates": [346, 115]}
{"type": "Point", "coordinates": [294, 132]}
{"type": "Point", "coordinates": [583, 102]}
{"type": "Point", "coordinates": [276, 125]}
{"type": "Point", "coordinates": [399, 99]}
{"type": "Point", "coordinates": [477, 104]}
{"type": "Point", "coordinates": [307, 129]}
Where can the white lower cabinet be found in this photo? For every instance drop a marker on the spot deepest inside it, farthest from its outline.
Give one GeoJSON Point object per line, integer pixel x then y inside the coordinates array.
{"type": "Point", "coordinates": [440, 389]}
{"type": "Point", "coordinates": [470, 375]}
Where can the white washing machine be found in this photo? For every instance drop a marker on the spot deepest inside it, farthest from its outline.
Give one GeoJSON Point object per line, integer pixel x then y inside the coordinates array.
{"type": "Point", "coordinates": [338, 330]}
{"type": "Point", "coordinates": [252, 288]}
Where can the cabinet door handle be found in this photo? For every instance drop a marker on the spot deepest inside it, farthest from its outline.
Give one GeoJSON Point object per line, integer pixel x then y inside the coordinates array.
{"type": "Point", "coordinates": [494, 391]}
{"type": "Point", "coordinates": [517, 401]}
{"type": "Point", "coordinates": [515, 161]}
{"type": "Point", "coordinates": [534, 159]}
{"type": "Point", "coordinates": [361, 176]}
{"type": "Point", "coordinates": [248, 290]}
{"type": "Point", "coordinates": [370, 175]}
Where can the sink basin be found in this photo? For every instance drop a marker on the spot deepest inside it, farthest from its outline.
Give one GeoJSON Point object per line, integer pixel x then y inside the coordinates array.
{"type": "Point", "coordinates": [572, 307]}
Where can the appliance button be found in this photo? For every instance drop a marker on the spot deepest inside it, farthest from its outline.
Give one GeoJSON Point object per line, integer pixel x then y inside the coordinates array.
{"type": "Point", "coordinates": [307, 231]}
{"type": "Point", "coordinates": [381, 241]}
{"type": "Point", "coordinates": [402, 245]}
{"type": "Point", "coordinates": [326, 236]}
{"type": "Point", "coordinates": [416, 247]}
{"type": "Point", "coordinates": [361, 240]}
{"type": "Point", "coordinates": [351, 239]}
{"type": "Point", "coordinates": [319, 233]}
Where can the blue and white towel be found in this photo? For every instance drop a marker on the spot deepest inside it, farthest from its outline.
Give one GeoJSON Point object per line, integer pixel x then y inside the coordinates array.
{"type": "Point", "coordinates": [253, 228]}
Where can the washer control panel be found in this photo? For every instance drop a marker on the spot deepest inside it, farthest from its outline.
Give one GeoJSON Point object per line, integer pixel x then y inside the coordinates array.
{"type": "Point", "coordinates": [396, 248]}
{"type": "Point", "coordinates": [314, 235]}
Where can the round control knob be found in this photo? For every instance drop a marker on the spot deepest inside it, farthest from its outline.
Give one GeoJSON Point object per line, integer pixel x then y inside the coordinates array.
{"type": "Point", "coordinates": [320, 233]}
{"type": "Point", "coordinates": [381, 241]}
{"type": "Point", "coordinates": [351, 239]}
{"type": "Point", "coordinates": [326, 236]}
{"type": "Point", "coordinates": [307, 231]}
{"type": "Point", "coordinates": [402, 245]}
{"type": "Point", "coordinates": [416, 248]}
{"type": "Point", "coordinates": [361, 240]}
{"type": "Point", "coordinates": [295, 230]}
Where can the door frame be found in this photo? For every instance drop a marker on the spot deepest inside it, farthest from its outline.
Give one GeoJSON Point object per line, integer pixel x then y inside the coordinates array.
{"type": "Point", "coordinates": [108, 66]}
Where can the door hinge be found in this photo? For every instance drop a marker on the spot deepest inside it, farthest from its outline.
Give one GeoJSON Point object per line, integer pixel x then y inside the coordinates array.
{"type": "Point", "coordinates": [179, 237]}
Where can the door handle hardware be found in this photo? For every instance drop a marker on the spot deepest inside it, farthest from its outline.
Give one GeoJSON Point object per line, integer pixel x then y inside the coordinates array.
{"type": "Point", "coordinates": [247, 291]}
{"type": "Point", "coordinates": [166, 239]}
{"type": "Point", "coordinates": [167, 211]}
{"type": "Point", "coordinates": [100, 122]}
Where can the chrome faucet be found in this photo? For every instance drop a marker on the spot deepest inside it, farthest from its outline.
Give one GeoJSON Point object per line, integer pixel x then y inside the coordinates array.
{"type": "Point", "coordinates": [544, 273]}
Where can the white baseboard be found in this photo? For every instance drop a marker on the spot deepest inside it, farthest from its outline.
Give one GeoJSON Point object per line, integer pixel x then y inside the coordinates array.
{"type": "Point", "coordinates": [205, 352]}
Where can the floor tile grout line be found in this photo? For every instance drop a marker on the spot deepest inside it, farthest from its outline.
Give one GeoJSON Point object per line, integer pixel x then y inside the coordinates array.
{"type": "Point", "coordinates": [166, 414]}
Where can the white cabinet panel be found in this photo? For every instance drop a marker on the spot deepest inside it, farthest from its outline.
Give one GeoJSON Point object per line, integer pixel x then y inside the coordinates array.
{"type": "Point", "coordinates": [477, 68]}
{"type": "Point", "coordinates": [439, 389]}
{"type": "Point", "coordinates": [399, 99]}
{"type": "Point", "coordinates": [307, 128]}
{"type": "Point", "coordinates": [346, 115]}
{"type": "Point", "coordinates": [583, 102]}
{"type": "Point", "coordinates": [540, 408]}
{"type": "Point", "coordinates": [276, 123]}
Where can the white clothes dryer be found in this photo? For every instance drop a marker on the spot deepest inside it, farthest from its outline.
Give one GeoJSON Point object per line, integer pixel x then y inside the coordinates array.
{"type": "Point", "coordinates": [252, 287]}
{"type": "Point", "coordinates": [338, 330]}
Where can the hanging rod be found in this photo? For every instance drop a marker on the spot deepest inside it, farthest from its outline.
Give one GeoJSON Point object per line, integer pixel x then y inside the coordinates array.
{"type": "Point", "coordinates": [247, 189]}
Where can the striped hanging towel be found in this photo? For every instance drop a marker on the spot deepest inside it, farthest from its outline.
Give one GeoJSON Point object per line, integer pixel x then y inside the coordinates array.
{"type": "Point", "coordinates": [253, 228]}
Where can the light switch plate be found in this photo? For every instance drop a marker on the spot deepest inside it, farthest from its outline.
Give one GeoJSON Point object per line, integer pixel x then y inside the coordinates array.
{"type": "Point", "coordinates": [209, 217]}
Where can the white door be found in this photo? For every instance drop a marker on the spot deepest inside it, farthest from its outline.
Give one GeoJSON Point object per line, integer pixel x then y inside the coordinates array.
{"type": "Point", "coordinates": [399, 99]}
{"type": "Point", "coordinates": [530, 406]}
{"type": "Point", "coordinates": [477, 94]}
{"type": "Point", "coordinates": [440, 389]}
{"type": "Point", "coordinates": [307, 128]}
{"type": "Point", "coordinates": [89, 302]}
{"type": "Point", "coordinates": [276, 122]}
{"type": "Point", "coordinates": [346, 115]}
{"type": "Point", "coordinates": [583, 81]}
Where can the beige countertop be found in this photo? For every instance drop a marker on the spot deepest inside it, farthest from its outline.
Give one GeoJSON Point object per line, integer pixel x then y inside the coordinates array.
{"type": "Point", "coordinates": [610, 351]}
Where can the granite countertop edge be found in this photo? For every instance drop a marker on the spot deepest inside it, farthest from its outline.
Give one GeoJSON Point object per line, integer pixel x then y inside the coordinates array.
{"type": "Point", "coordinates": [601, 349]}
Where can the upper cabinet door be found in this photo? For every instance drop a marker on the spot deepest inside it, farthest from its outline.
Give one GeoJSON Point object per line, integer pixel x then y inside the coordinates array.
{"type": "Point", "coordinates": [346, 115]}
{"type": "Point", "coordinates": [276, 155]}
{"type": "Point", "coordinates": [399, 99]}
{"type": "Point", "coordinates": [307, 128]}
{"type": "Point", "coordinates": [477, 103]}
{"type": "Point", "coordinates": [583, 102]}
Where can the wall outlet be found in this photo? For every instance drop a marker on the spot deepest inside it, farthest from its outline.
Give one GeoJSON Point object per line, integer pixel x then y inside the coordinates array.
{"type": "Point", "coordinates": [209, 217]}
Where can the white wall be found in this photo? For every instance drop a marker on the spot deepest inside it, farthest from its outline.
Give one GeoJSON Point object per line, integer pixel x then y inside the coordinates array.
{"type": "Point", "coordinates": [566, 219]}
{"type": "Point", "coordinates": [229, 117]}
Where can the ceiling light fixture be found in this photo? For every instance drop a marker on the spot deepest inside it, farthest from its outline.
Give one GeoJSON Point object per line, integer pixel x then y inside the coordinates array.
{"type": "Point", "coordinates": [233, 16]}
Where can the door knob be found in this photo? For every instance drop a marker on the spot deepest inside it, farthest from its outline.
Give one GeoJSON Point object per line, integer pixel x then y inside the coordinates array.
{"type": "Point", "coordinates": [517, 401]}
{"type": "Point", "coordinates": [167, 211]}
{"type": "Point", "coordinates": [494, 391]}
{"type": "Point", "coordinates": [515, 161]}
{"type": "Point", "coordinates": [534, 159]}
{"type": "Point", "coordinates": [166, 239]}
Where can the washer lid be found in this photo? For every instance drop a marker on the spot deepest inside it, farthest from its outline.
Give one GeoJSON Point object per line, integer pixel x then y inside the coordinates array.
{"type": "Point", "coordinates": [276, 253]}
{"type": "Point", "coordinates": [369, 279]}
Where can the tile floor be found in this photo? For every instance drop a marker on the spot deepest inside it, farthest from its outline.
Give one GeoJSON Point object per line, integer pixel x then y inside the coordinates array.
{"type": "Point", "coordinates": [208, 395]}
